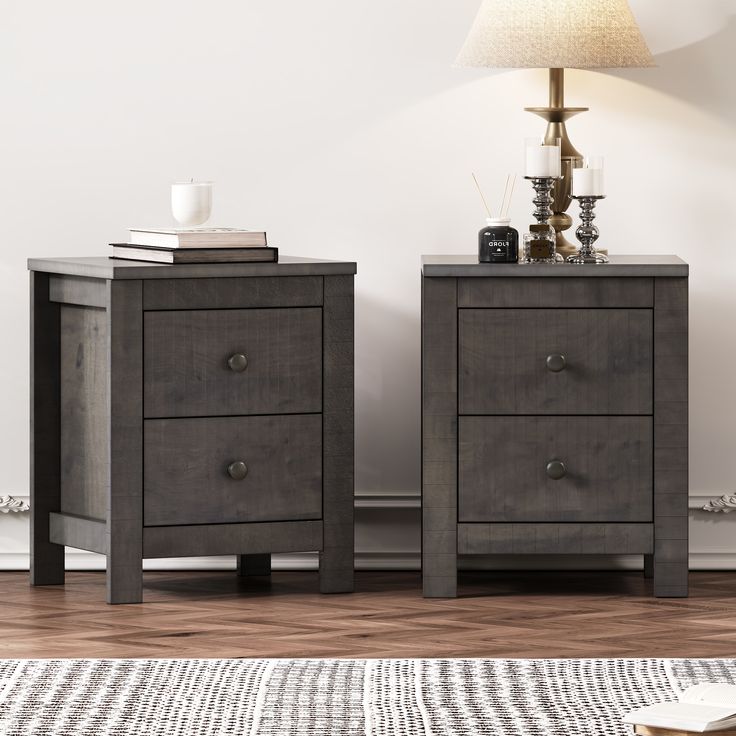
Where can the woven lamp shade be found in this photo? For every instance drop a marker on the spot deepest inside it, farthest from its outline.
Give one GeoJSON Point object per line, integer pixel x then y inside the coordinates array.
{"type": "Point", "coordinates": [582, 34]}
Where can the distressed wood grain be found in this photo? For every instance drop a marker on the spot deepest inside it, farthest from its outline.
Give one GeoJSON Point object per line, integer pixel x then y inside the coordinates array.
{"type": "Point", "coordinates": [336, 561]}
{"type": "Point", "coordinates": [439, 437]}
{"type": "Point", "coordinates": [671, 484]}
{"type": "Point", "coordinates": [555, 293]}
{"type": "Point", "coordinates": [233, 293]}
{"type": "Point", "coordinates": [187, 353]}
{"type": "Point", "coordinates": [608, 361]}
{"type": "Point", "coordinates": [84, 412]}
{"type": "Point", "coordinates": [503, 469]}
{"type": "Point", "coordinates": [125, 483]}
{"type": "Point", "coordinates": [186, 461]}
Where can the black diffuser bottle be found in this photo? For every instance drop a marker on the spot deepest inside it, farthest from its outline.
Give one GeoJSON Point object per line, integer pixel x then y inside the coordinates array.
{"type": "Point", "coordinates": [498, 242]}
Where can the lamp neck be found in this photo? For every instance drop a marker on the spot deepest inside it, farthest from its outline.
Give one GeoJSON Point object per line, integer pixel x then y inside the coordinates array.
{"type": "Point", "coordinates": [556, 114]}
{"type": "Point", "coordinates": [557, 88]}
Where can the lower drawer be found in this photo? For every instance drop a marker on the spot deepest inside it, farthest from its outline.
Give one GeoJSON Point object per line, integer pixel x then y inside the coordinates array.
{"type": "Point", "coordinates": [555, 469]}
{"type": "Point", "coordinates": [232, 469]}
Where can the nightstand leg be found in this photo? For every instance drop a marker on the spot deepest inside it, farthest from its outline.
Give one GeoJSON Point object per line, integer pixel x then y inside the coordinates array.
{"type": "Point", "coordinates": [336, 567]}
{"type": "Point", "coordinates": [124, 564]}
{"type": "Point", "coordinates": [439, 437]}
{"type": "Point", "coordinates": [47, 558]}
{"type": "Point", "coordinates": [125, 499]}
{"type": "Point", "coordinates": [254, 565]}
{"type": "Point", "coordinates": [438, 586]}
{"type": "Point", "coordinates": [439, 542]}
{"type": "Point", "coordinates": [671, 482]}
{"type": "Point", "coordinates": [336, 563]}
{"type": "Point", "coordinates": [671, 568]}
{"type": "Point", "coordinates": [648, 566]}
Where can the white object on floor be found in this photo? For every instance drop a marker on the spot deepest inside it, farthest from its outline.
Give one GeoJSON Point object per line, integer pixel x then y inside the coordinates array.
{"type": "Point", "coordinates": [701, 708]}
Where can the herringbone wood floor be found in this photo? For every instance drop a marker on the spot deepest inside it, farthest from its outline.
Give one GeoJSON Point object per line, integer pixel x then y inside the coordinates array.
{"type": "Point", "coordinates": [214, 614]}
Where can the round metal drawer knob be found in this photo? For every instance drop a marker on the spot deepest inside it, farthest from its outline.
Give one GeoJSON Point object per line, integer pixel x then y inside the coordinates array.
{"type": "Point", "coordinates": [237, 362]}
{"type": "Point", "coordinates": [237, 470]}
{"type": "Point", "coordinates": [556, 362]}
{"type": "Point", "coordinates": [556, 469]}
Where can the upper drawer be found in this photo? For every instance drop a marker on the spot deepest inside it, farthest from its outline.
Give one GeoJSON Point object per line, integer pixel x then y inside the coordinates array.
{"type": "Point", "coordinates": [555, 293]}
{"type": "Point", "coordinates": [555, 361]}
{"type": "Point", "coordinates": [563, 469]}
{"type": "Point", "coordinates": [276, 365]}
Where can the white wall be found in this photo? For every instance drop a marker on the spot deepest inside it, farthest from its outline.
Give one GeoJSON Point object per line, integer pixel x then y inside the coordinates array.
{"type": "Point", "coordinates": [341, 127]}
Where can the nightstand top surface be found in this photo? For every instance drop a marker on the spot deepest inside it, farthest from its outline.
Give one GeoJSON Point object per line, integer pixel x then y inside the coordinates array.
{"type": "Point", "coordinates": [102, 267]}
{"type": "Point", "coordinates": [620, 265]}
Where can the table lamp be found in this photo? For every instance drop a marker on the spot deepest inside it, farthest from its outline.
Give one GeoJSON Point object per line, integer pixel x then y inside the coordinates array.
{"type": "Point", "coordinates": [554, 34]}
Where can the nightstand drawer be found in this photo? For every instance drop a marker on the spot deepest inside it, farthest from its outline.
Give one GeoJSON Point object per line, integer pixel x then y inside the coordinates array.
{"type": "Point", "coordinates": [232, 469]}
{"type": "Point", "coordinates": [555, 361]}
{"type": "Point", "coordinates": [232, 361]}
{"type": "Point", "coordinates": [549, 469]}
{"type": "Point", "coordinates": [555, 293]}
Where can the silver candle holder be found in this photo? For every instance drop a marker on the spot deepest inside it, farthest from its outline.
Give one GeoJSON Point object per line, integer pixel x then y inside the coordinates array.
{"type": "Point", "coordinates": [587, 233]}
{"type": "Point", "coordinates": [543, 198]}
{"type": "Point", "coordinates": [543, 201]}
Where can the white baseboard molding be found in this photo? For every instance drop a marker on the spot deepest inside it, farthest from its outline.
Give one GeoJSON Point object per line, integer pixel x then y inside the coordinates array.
{"type": "Point", "coordinates": [79, 560]}
{"type": "Point", "coordinates": [713, 502]}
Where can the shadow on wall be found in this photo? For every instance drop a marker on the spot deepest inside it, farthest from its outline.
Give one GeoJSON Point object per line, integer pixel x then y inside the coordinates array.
{"type": "Point", "coordinates": [694, 117]}
{"type": "Point", "coordinates": [695, 73]}
{"type": "Point", "coordinates": [387, 397]}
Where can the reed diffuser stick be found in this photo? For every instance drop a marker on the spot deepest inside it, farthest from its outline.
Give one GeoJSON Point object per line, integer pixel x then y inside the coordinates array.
{"type": "Point", "coordinates": [505, 192]}
{"type": "Point", "coordinates": [485, 204]}
{"type": "Point", "coordinates": [505, 210]}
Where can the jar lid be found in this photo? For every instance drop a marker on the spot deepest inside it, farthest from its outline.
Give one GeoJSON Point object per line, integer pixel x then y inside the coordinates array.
{"type": "Point", "coordinates": [498, 221]}
{"type": "Point", "coordinates": [539, 228]}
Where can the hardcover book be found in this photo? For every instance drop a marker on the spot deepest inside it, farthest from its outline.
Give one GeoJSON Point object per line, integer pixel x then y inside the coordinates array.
{"type": "Point", "coordinates": [701, 708]}
{"type": "Point", "coordinates": [198, 237]}
{"type": "Point", "coordinates": [194, 255]}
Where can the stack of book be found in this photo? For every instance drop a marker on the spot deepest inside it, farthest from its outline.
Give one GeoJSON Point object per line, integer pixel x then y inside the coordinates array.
{"type": "Point", "coordinates": [196, 245]}
{"type": "Point", "coordinates": [703, 708]}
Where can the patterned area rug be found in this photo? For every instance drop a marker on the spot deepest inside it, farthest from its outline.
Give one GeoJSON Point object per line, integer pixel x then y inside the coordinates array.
{"type": "Point", "coordinates": [437, 697]}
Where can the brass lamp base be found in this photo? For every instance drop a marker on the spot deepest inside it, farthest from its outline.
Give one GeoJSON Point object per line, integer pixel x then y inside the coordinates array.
{"type": "Point", "coordinates": [556, 115]}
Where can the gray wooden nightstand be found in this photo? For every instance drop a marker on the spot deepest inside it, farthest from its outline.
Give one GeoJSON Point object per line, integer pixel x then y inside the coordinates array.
{"type": "Point", "coordinates": [554, 413]}
{"type": "Point", "coordinates": [191, 410]}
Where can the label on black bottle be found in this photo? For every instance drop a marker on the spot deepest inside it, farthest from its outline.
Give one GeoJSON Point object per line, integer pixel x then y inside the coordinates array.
{"type": "Point", "coordinates": [500, 251]}
{"type": "Point", "coordinates": [498, 245]}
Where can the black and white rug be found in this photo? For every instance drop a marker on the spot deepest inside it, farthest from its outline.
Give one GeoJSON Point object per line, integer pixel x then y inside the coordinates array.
{"type": "Point", "coordinates": [284, 697]}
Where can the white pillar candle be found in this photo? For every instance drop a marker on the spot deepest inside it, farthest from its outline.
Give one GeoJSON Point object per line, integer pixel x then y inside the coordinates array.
{"type": "Point", "coordinates": [191, 202]}
{"type": "Point", "coordinates": [542, 160]}
{"type": "Point", "coordinates": [588, 181]}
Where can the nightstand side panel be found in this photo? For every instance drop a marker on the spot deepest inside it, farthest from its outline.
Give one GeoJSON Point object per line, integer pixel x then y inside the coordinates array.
{"type": "Point", "coordinates": [84, 412]}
